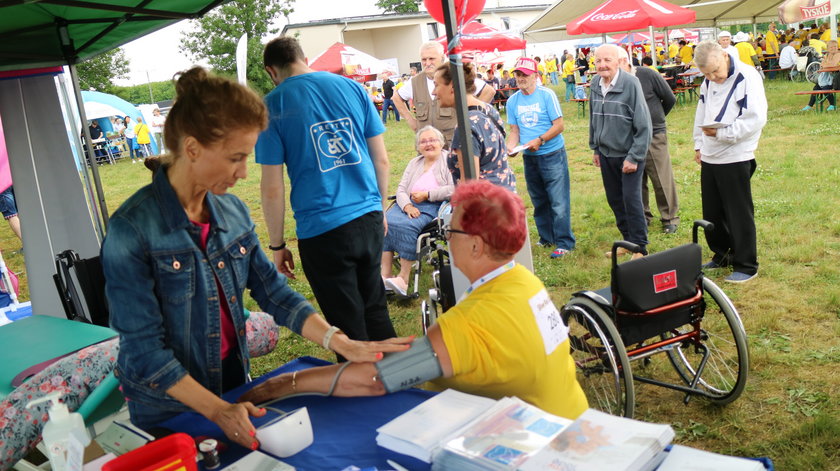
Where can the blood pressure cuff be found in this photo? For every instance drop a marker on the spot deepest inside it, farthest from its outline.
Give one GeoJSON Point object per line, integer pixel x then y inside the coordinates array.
{"type": "Point", "coordinates": [402, 370]}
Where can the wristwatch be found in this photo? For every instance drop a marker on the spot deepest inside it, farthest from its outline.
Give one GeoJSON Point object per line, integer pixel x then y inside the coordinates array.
{"type": "Point", "coordinates": [276, 248]}
{"type": "Point", "coordinates": [542, 141]}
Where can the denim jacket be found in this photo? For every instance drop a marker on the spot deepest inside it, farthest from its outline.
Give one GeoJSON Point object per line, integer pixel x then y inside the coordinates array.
{"type": "Point", "coordinates": [163, 298]}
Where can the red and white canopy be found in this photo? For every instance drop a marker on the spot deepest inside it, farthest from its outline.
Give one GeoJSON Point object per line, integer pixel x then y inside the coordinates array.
{"type": "Point", "coordinates": [629, 15]}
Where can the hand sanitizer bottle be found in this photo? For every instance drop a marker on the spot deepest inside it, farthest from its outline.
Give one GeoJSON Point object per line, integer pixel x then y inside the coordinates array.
{"type": "Point", "coordinates": [64, 434]}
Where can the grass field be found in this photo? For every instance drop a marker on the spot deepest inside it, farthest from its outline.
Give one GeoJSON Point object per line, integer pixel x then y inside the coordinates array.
{"type": "Point", "coordinates": [790, 410]}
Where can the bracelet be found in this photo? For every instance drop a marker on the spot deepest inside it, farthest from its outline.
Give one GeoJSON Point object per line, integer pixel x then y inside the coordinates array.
{"type": "Point", "coordinates": [329, 335]}
{"type": "Point", "coordinates": [542, 141]}
{"type": "Point", "coordinates": [294, 382]}
{"type": "Point", "coordinates": [279, 247]}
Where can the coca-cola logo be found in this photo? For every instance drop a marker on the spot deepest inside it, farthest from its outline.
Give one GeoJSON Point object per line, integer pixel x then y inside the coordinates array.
{"type": "Point", "coordinates": [615, 16]}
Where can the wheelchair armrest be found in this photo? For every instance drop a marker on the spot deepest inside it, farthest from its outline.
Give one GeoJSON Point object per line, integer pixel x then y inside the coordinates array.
{"type": "Point", "coordinates": [706, 225]}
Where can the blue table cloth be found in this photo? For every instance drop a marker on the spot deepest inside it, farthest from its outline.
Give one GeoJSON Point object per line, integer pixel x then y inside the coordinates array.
{"type": "Point", "coordinates": [344, 428]}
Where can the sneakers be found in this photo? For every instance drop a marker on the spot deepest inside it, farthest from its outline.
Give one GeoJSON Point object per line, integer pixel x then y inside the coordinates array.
{"type": "Point", "coordinates": [806, 108]}
{"type": "Point", "coordinates": [711, 265]}
{"type": "Point", "coordinates": [398, 285]}
{"type": "Point", "coordinates": [669, 228]}
{"type": "Point", "coordinates": [387, 288]}
{"type": "Point", "coordinates": [558, 253]}
{"type": "Point", "coordinates": [739, 277]}
{"type": "Point", "coordinates": [830, 108]}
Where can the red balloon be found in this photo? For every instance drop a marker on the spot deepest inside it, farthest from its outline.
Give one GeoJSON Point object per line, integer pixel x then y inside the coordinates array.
{"type": "Point", "coordinates": [462, 16]}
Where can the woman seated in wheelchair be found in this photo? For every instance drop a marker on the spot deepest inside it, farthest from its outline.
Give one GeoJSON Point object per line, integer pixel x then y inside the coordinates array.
{"type": "Point", "coordinates": [177, 258]}
{"type": "Point", "coordinates": [425, 184]}
{"type": "Point", "coordinates": [505, 338]}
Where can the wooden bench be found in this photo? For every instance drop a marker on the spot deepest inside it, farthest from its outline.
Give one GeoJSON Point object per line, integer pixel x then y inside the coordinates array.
{"type": "Point", "coordinates": [822, 97]}
{"type": "Point", "coordinates": [581, 105]}
{"type": "Point", "coordinates": [766, 71]}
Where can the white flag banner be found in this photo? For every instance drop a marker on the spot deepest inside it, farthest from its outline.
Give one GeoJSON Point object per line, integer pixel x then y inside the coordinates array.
{"type": "Point", "coordinates": [242, 59]}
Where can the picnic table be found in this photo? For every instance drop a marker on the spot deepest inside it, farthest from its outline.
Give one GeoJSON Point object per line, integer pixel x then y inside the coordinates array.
{"type": "Point", "coordinates": [822, 97]}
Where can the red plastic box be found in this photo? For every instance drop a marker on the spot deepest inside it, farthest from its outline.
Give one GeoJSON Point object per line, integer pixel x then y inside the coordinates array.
{"type": "Point", "coordinates": [172, 453]}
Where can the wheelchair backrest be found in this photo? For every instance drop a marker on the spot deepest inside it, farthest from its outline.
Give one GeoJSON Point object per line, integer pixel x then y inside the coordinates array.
{"type": "Point", "coordinates": [657, 280]}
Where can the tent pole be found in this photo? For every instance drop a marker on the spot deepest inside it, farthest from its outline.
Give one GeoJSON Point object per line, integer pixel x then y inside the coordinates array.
{"type": "Point", "coordinates": [652, 44]}
{"type": "Point", "coordinates": [457, 67]}
{"type": "Point", "coordinates": [91, 157]}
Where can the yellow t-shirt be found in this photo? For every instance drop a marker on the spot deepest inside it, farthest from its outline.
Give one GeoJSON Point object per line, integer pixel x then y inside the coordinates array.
{"type": "Point", "coordinates": [772, 43]}
{"type": "Point", "coordinates": [826, 35]}
{"type": "Point", "coordinates": [745, 53]}
{"type": "Point", "coordinates": [142, 132]}
{"type": "Point", "coordinates": [818, 45]}
{"type": "Point", "coordinates": [686, 54]}
{"type": "Point", "coordinates": [497, 348]}
{"type": "Point", "coordinates": [673, 51]}
{"type": "Point", "coordinates": [568, 68]}
{"type": "Point", "coordinates": [551, 65]}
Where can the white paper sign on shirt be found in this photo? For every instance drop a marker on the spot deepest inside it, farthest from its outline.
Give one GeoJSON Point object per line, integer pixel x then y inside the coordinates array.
{"type": "Point", "coordinates": [551, 325]}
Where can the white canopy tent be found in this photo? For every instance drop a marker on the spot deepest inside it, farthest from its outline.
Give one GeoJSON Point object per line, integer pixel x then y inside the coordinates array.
{"type": "Point", "coordinates": [551, 25]}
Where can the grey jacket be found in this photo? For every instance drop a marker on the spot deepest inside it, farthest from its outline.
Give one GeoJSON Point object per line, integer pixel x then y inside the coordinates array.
{"type": "Point", "coordinates": [619, 123]}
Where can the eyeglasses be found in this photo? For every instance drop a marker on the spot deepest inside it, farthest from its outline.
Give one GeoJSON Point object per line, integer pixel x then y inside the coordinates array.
{"type": "Point", "coordinates": [448, 231]}
{"type": "Point", "coordinates": [429, 141]}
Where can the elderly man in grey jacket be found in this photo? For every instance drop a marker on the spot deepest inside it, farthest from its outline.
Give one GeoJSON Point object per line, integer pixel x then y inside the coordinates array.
{"type": "Point", "coordinates": [619, 135]}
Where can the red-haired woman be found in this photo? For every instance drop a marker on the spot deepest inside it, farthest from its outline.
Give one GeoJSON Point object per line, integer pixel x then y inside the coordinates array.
{"type": "Point", "coordinates": [505, 338]}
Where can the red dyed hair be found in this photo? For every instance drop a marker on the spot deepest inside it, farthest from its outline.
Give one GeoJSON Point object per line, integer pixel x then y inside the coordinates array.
{"type": "Point", "coordinates": [493, 213]}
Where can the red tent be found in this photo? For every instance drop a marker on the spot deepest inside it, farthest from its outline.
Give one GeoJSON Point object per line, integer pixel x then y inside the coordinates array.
{"type": "Point", "coordinates": [344, 60]}
{"type": "Point", "coordinates": [629, 15]}
{"type": "Point", "coordinates": [635, 38]}
{"type": "Point", "coordinates": [480, 37]}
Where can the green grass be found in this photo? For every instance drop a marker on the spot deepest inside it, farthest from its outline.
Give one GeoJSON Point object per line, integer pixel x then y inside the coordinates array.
{"type": "Point", "coordinates": [790, 410]}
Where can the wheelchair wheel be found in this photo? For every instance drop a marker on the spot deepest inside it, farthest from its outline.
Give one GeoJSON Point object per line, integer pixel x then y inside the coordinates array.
{"type": "Point", "coordinates": [725, 374]}
{"type": "Point", "coordinates": [603, 369]}
{"type": "Point", "coordinates": [811, 72]}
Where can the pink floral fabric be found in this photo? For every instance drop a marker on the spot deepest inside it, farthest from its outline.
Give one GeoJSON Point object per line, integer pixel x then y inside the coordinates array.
{"type": "Point", "coordinates": [76, 376]}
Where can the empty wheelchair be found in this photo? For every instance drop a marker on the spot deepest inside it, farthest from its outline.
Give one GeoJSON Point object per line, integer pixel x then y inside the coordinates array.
{"type": "Point", "coordinates": [661, 303]}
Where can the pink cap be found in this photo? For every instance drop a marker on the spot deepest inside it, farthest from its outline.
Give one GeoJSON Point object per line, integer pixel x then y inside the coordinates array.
{"type": "Point", "coordinates": [526, 65]}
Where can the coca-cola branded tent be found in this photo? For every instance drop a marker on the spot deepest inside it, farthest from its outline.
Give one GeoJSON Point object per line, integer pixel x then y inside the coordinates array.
{"type": "Point", "coordinates": [629, 15]}
{"type": "Point", "coordinates": [476, 36]}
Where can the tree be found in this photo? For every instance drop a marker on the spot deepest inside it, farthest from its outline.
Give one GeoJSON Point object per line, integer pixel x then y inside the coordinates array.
{"type": "Point", "coordinates": [399, 6]}
{"type": "Point", "coordinates": [217, 33]}
{"type": "Point", "coordinates": [98, 72]}
{"type": "Point", "coordinates": [161, 91]}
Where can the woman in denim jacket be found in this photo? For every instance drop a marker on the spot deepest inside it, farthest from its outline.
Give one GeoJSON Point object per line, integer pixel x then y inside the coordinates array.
{"type": "Point", "coordinates": [178, 256]}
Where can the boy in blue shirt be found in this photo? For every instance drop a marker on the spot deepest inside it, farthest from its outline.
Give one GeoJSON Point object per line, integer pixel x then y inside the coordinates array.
{"type": "Point", "coordinates": [327, 132]}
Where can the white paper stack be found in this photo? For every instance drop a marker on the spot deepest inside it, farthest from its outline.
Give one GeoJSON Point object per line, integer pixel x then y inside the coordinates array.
{"type": "Point", "coordinates": [598, 441]}
{"type": "Point", "coordinates": [683, 458]}
{"type": "Point", "coordinates": [502, 438]}
{"type": "Point", "coordinates": [420, 431]}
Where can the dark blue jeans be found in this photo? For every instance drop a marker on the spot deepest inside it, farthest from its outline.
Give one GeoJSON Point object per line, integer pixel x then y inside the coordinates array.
{"type": "Point", "coordinates": [624, 194]}
{"type": "Point", "coordinates": [547, 177]}
{"type": "Point", "coordinates": [387, 104]}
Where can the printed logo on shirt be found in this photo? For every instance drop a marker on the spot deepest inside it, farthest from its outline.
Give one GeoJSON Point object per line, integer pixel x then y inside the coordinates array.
{"type": "Point", "coordinates": [334, 144]}
{"type": "Point", "coordinates": [665, 281]}
{"type": "Point", "coordinates": [529, 115]}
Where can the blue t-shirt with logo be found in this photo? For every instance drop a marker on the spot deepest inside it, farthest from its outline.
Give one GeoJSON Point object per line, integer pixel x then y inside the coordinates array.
{"type": "Point", "coordinates": [533, 114]}
{"type": "Point", "coordinates": [318, 127]}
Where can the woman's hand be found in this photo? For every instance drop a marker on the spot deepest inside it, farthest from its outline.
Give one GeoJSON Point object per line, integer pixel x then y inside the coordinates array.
{"type": "Point", "coordinates": [411, 211]}
{"type": "Point", "coordinates": [358, 351]}
{"type": "Point", "coordinates": [419, 196]}
{"type": "Point", "coordinates": [234, 421]}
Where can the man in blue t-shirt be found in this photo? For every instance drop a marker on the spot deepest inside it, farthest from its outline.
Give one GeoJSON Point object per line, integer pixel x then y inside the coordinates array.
{"type": "Point", "coordinates": [327, 132]}
{"type": "Point", "coordinates": [536, 122]}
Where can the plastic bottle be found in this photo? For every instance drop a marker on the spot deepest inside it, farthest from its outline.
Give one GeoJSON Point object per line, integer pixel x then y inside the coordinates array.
{"type": "Point", "coordinates": [65, 435]}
